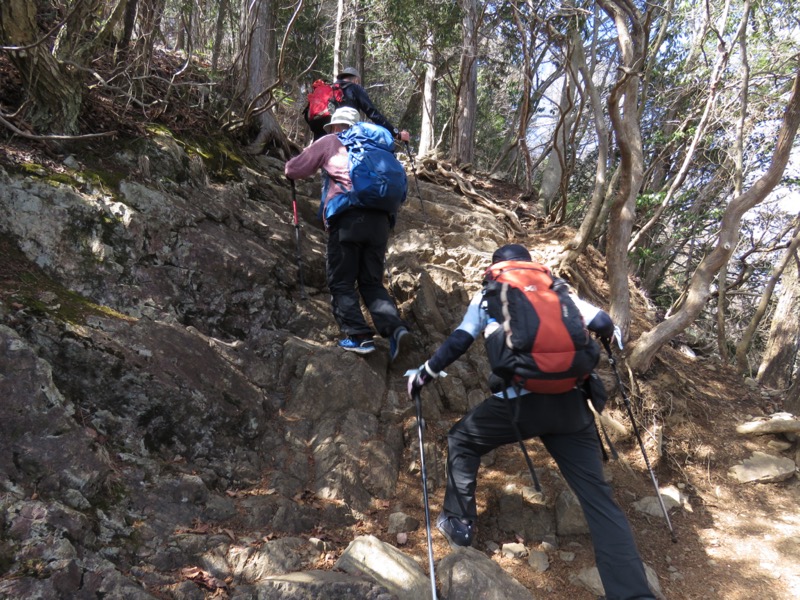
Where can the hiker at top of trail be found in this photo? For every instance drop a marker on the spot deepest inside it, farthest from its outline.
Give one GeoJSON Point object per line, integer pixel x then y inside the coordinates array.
{"type": "Point", "coordinates": [345, 91]}
{"type": "Point", "coordinates": [559, 416]}
{"type": "Point", "coordinates": [358, 218]}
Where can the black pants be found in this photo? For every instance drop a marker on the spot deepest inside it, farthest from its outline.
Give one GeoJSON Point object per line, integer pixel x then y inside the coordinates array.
{"type": "Point", "coordinates": [317, 126]}
{"type": "Point", "coordinates": [567, 429]}
{"type": "Point", "coordinates": [356, 256]}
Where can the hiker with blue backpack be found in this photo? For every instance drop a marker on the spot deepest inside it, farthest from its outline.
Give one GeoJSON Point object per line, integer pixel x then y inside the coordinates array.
{"type": "Point", "coordinates": [542, 356]}
{"type": "Point", "coordinates": [326, 98]}
{"type": "Point", "coordinates": [363, 187]}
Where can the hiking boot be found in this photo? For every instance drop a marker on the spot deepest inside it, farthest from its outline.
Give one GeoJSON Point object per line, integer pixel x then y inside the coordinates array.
{"type": "Point", "coordinates": [459, 532]}
{"type": "Point", "coordinates": [357, 344]}
{"type": "Point", "coordinates": [394, 342]}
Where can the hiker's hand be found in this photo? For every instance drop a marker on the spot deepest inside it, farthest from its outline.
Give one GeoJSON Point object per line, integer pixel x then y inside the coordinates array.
{"type": "Point", "coordinates": [404, 136]}
{"type": "Point", "coordinates": [419, 379]}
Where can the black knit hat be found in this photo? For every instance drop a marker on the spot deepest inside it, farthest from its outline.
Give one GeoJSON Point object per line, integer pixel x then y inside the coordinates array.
{"type": "Point", "coordinates": [511, 252]}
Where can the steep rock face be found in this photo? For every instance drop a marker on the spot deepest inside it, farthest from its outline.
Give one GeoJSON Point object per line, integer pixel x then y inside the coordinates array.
{"type": "Point", "coordinates": [42, 446]}
{"type": "Point", "coordinates": [193, 385]}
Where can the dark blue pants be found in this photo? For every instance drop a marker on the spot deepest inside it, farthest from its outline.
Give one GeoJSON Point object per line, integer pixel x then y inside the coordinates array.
{"type": "Point", "coordinates": [357, 244]}
{"type": "Point", "coordinates": [566, 427]}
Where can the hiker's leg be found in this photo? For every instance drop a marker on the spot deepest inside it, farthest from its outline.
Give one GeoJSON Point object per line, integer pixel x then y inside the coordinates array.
{"type": "Point", "coordinates": [374, 237]}
{"type": "Point", "coordinates": [481, 430]}
{"type": "Point", "coordinates": [618, 561]}
{"type": "Point", "coordinates": [342, 271]}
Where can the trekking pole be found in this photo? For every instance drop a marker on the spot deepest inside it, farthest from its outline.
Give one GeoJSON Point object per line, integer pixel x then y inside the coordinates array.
{"type": "Point", "coordinates": [418, 403]}
{"type": "Point", "coordinates": [528, 460]}
{"type": "Point", "coordinates": [627, 402]}
{"type": "Point", "coordinates": [297, 240]}
{"type": "Point", "coordinates": [416, 181]}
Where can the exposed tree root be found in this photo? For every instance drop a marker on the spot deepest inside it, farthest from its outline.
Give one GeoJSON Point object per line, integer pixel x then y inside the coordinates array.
{"type": "Point", "coordinates": [445, 174]}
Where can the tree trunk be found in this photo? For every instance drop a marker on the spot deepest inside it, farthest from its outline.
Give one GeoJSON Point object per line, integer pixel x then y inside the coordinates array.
{"type": "Point", "coordinates": [261, 53]}
{"type": "Point", "coordinates": [556, 160]}
{"type": "Point", "coordinates": [578, 244]}
{"type": "Point", "coordinates": [783, 330]}
{"type": "Point", "coordinates": [645, 349]}
{"type": "Point", "coordinates": [337, 38]}
{"type": "Point", "coordinates": [128, 23]}
{"type": "Point", "coordinates": [219, 34]}
{"type": "Point", "coordinates": [700, 131]}
{"type": "Point", "coordinates": [463, 140]}
{"type": "Point", "coordinates": [792, 403]}
{"type": "Point", "coordinates": [56, 90]}
{"type": "Point", "coordinates": [738, 176]}
{"type": "Point", "coordinates": [524, 111]}
{"type": "Point", "coordinates": [777, 362]}
{"type": "Point", "coordinates": [360, 38]}
{"type": "Point", "coordinates": [150, 14]}
{"type": "Point", "coordinates": [623, 110]}
{"type": "Point", "coordinates": [428, 125]}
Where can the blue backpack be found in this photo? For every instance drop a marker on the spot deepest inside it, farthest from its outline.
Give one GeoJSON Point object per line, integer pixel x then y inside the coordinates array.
{"type": "Point", "coordinates": [379, 179]}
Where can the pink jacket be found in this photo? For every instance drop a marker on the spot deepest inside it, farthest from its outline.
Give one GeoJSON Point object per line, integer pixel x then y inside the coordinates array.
{"type": "Point", "coordinates": [328, 154]}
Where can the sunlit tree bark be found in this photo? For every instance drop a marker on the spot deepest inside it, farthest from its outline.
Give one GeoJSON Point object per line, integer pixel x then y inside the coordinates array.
{"type": "Point", "coordinates": [623, 106]}
{"type": "Point", "coordinates": [463, 139]}
{"type": "Point", "coordinates": [47, 65]}
{"type": "Point", "coordinates": [781, 332]}
{"type": "Point", "coordinates": [784, 334]}
{"type": "Point", "coordinates": [261, 60]}
{"type": "Point", "coordinates": [578, 244]}
{"type": "Point", "coordinates": [645, 348]}
{"type": "Point", "coordinates": [428, 124]}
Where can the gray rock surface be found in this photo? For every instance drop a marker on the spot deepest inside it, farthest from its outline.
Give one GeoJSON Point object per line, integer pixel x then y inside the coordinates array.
{"type": "Point", "coordinates": [176, 421]}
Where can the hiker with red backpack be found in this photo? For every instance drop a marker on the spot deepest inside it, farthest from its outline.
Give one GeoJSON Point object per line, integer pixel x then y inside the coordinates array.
{"type": "Point", "coordinates": [325, 98]}
{"type": "Point", "coordinates": [363, 188]}
{"type": "Point", "coordinates": [541, 356]}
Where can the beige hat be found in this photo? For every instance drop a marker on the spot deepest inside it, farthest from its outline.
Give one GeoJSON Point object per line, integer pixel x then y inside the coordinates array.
{"type": "Point", "coordinates": [344, 115]}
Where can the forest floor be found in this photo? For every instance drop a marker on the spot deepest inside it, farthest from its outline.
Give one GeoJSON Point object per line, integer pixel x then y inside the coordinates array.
{"type": "Point", "coordinates": [734, 541]}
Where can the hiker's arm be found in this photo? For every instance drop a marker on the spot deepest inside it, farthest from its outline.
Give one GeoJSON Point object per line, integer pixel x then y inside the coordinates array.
{"type": "Point", "coordinates": [312, 159]}
{"type": "Point", "coordinates": [596, 319]}
{"type": "Point", "coordinates": [461, 339]}
{"type": "Point", "coordinates": [360, 97]}
{"type": "Point", "coordinates": [455, 345]}
{"type": "Point", "coordinates": [602, 325]}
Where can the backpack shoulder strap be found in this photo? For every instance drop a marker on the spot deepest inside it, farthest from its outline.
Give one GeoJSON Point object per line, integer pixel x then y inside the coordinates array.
{"type": "Point", "coordinates": [364, 135]}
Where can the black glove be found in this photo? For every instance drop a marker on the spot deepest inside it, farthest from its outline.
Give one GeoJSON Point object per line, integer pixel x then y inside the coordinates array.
{"type": "Point", "coordinates": [418, 380]}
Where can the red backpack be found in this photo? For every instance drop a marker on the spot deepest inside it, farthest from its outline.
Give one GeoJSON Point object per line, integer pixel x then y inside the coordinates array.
{"type": "Point", "coordinates": [324, 99]}
{"type": "Point", "coordinates": [542, 343]}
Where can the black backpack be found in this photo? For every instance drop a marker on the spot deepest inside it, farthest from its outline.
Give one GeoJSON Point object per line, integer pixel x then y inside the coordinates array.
{"type": "Point", "coordinates": [542, 342]}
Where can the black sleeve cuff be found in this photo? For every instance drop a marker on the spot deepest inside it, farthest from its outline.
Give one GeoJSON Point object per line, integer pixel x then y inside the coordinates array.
{"type": "Point", "coordinates": [602, 325]}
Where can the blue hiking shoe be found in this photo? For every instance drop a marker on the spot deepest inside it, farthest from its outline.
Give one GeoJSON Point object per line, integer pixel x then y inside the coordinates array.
{"type": "Point", "coordinates": [394, 342]}
{"type": "Point", "coordinates": [358, 344]}
{"type": "Point", "coordinates": [458, 532]}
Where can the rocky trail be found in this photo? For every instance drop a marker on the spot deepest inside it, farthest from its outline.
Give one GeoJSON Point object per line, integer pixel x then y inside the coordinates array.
{"type": "Point", "coordinates": [176, 422]}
